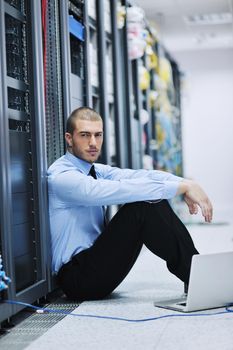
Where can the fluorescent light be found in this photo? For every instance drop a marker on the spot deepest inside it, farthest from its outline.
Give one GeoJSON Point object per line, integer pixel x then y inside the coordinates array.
{"type": "Point", "coordinates": [209, 19]}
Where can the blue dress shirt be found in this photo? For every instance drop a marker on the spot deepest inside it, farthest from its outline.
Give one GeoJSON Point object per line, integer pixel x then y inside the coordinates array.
{"type": "Point", "coordinates": [76, 200]}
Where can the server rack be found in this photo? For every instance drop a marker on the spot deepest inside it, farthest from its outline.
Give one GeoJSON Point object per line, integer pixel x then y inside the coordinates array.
{"type": "Point", "coordinates": [102, 88]}
{"type": "Point", "coordinates": [153, 88]}
{"type": "Point", "coordinates": [5, 309]}
{"type": "Point", "coordinates": [23, 182]}
{"type": "Point", "coordinates": [178, 120]}
{"type": "Point", "coordinates": [110, 100]}
{"type": "Point", "coordinates": [52, 70]}
{"type": "Point", "coordinates": [122, 151]}
{"type": "Point", "coordinates": [96, 49]}
{"type": "Point", "coordinates": [169, 153]}
{"type": "Point", "coordinates": [77, 58]}
{"type": "Point", "coordinates": [135, 101]}
{"type": "Point", "coordinates": [66, 82]}
{"type": "Point", "coordinates": [147, 127]}
{"type": "Point", "coordinates": [148, 120]}
{"type": "Point", "coordinates": [131, 99]}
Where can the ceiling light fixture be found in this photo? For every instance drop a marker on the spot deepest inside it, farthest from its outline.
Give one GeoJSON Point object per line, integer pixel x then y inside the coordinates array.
{"type": "Point", "coordinates": [209, 19]}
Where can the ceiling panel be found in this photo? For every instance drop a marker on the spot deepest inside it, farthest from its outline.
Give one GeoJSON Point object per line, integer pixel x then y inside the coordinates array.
{"type": "Point", "coordinates": [168, 16]}
{"type": "Point", "coordinates": [179, 7]}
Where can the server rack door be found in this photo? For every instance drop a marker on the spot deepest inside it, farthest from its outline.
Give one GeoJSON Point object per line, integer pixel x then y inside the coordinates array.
{"type": "Point", "coordinates": [76, 41]}
{"type": "Point", "coordinates": [96, 50]}
{"type": "Point", "coordinates": [23, 161]}
{"type": "Point", "coordinates": [101, 29]}
{"type": "Point", "coordinates": [63, 32]}
{"type": "Point", "coordinates": [54, 105]}
{"type": "Point", "coordinates": [137, 106]}
{"type": "Point", "coordinates": [120, 122]}
{"type": "Point", "coordinates": [129, 104]}
{"type": "Point", "coordinates": [5, 309]}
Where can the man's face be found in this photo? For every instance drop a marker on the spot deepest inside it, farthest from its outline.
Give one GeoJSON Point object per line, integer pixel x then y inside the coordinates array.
{"type": "Point", "coordinates": [87, 139]}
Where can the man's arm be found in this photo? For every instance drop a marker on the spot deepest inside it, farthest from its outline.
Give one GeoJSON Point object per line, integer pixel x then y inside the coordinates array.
{"type": "Point", "coordinates": [195, 197]}
{"type": "Point", "coordinates": [74, 188]}
{"type": "Point", "coordinates": [115, 173]}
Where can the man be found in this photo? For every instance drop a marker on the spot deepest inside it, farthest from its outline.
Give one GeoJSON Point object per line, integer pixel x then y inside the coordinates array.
{"type": "Point", "coordinates": [90, 257]}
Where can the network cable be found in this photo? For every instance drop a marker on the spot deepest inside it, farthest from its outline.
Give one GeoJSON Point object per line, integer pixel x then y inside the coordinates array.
{"type": "Point", "coordinates": [4, 280]}
{"type": "Point", "coordinates": [41, 310]}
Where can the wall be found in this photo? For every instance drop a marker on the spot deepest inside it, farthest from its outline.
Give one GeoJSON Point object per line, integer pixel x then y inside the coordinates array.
{"type": "Point", "coordinates": [207, 105]}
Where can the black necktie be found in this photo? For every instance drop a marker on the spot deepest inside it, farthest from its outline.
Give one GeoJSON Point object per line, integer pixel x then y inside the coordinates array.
{"type": "Point", "coordinates": [93, 174]}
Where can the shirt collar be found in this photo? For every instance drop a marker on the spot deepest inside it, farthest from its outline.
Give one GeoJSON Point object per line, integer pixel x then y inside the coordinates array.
{"type": "Point", "coordinates": [79, 163]}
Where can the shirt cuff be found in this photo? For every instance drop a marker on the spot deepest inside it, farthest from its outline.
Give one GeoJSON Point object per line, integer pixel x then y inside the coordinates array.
{"type": "Point", "coordinates": [171, 188]}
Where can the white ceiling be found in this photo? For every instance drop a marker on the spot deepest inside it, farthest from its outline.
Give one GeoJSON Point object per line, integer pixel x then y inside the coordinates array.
{"type": "Point", "coordinates": [168, 16]}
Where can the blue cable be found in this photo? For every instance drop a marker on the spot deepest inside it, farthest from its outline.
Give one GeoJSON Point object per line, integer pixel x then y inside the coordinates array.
{"type": "Point", "coordinates": [227, 310]}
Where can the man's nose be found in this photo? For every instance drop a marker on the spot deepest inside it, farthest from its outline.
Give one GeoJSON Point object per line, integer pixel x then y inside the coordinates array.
{"type": "Point", "coordinates": [92, 140]}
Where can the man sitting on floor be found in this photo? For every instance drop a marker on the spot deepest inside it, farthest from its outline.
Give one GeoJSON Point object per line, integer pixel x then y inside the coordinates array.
{"type": "Point", "coordinates": [92, 257]}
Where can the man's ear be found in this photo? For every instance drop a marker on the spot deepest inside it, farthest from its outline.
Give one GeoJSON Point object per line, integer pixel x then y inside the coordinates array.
{"type": "Point", "coordinates": [68, 138]}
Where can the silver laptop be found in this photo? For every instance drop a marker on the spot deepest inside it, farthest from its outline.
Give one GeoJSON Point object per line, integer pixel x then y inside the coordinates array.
{"type": "Point", "coordinates": [210, 284]}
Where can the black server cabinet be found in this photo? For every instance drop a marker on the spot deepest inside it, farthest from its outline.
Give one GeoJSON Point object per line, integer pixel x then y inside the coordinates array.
{"type": "Point", "coordinates": [23, 181]}
{"type": "Point", "coordinates": [98, 41]}
{"type": "Point", "coordinates": [76, 49]}
{"type": "Point", "coordinates": [94, 55]}
{"type": "Point", "coordinates": [64, 68]}
{"type": "Point", "coordinates": [53, 80]}
{"type": "Point", "coordinates": [106, 78]}
{"type": "Point", "coordinates": [120, 117]}
{"type": "Point", "coordinates": [131, 99]}
{"type": "Point", "coordinates": [95, 66]}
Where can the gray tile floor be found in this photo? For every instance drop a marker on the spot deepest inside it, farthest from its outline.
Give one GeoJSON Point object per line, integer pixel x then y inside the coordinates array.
{"type": "Point", "coordinates": [149, 280]}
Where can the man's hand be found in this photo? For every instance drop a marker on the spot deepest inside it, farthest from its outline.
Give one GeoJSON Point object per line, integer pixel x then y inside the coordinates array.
{"type": "Point", "coordinates": [195, 197]}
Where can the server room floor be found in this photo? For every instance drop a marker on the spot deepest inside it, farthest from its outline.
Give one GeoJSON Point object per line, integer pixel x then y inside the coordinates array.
{"type": "Point", "coordinates": [149, 280]}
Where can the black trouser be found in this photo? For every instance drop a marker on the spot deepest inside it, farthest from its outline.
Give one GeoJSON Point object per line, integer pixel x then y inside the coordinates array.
{"type": "Point", "coordinates": [97, 271]}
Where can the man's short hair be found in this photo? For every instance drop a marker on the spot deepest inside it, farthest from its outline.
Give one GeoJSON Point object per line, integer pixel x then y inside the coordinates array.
{"type": "Point", "coordinates": [83, 113]}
